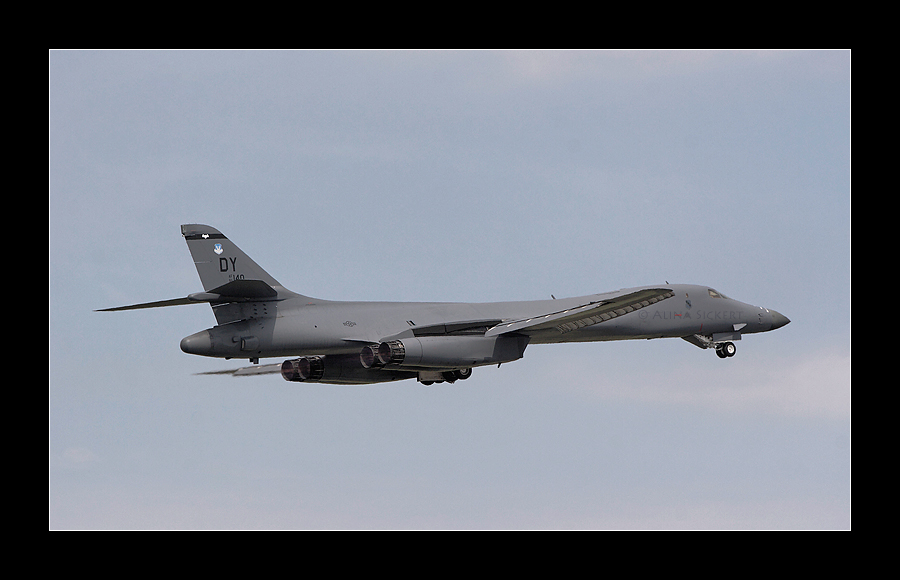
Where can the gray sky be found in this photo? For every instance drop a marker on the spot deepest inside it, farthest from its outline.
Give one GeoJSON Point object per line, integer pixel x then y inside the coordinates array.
{"type": "Point", "coordinates": [452, 176]}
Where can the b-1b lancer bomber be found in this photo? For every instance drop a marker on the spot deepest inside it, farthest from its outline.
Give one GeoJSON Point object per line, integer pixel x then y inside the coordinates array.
{"type": "Point", "coordinates": [327, 341]}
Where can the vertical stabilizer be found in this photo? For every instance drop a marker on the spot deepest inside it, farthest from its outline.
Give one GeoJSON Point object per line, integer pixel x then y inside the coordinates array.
{"type": "Point", "coordinates": [218, 260]}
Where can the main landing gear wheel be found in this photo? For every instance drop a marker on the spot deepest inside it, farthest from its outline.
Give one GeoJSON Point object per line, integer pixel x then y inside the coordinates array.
{"type": "Point", "coordinates": [457, 375]}
{"type": "Point", "coordinates": [726, 350]}
{"type": "Point", "coordinates": [445, 377]}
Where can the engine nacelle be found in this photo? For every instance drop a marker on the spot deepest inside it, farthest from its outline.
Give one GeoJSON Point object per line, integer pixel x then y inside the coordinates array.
{"type": "Point", "coordinates": [338, 369]}
{"type": "Point", "coordinates": [368, 357]}
{"type": "Point", "coordinates": [443, 352]}
{"type": "Point", "coordinates": [307, 368]}
{"type": "Point", "coordinates": [375, 356]}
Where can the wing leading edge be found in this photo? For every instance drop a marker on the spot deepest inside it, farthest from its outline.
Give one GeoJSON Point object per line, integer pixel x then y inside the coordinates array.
{"type": "Point", "coordinates": [577, 317]}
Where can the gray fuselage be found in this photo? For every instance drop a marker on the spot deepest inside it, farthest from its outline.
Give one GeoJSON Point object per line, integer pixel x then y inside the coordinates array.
{"type": "Point", "coordinates": [299, 325]}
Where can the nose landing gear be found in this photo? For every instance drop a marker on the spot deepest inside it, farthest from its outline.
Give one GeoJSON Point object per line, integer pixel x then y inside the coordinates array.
{"type": "Point", "coordinates": [725, 350]}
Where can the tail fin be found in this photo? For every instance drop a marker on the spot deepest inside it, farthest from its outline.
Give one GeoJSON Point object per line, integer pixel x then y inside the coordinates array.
{"type": "Point", "coordinates": [227, 274]}
{"type": "Point", "coordinates": [218, 260]}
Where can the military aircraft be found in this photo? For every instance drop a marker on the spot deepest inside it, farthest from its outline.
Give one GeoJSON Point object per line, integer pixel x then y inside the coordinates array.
{"type": "Point", "coordinates": [433, 342]}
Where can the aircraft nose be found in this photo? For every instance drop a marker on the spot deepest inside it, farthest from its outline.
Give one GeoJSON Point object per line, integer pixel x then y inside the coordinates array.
{"type": "Point", "coordinates": [778, 319]}
{"type": "Point", "coordinates": [197, 343]}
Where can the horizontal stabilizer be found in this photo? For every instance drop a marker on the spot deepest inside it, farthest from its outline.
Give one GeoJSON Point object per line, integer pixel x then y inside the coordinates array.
{"type": "Point", "coordinates": [238, 290]}
{"type": "Point", "coordinates": [158, 304]}
{"type": "Point", "coordinates": [234, 291]}
{"type": "Point", "coordinates": [248, 371]}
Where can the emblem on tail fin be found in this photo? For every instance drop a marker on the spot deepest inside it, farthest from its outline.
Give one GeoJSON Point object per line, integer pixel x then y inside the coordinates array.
{"type": "Point", "coordinates": [218, 249]}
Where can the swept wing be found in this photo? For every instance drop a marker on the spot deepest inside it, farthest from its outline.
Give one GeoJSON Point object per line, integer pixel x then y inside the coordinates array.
{"type": "Point", "coordinates": [570, 319]}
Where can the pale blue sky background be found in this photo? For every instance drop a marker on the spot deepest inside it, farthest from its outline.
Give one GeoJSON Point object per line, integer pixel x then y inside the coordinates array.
{"type": "Point", "coordinates": [452, 176]}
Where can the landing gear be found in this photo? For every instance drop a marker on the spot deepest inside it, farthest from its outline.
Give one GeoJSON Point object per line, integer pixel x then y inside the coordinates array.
{"type": "Point", "coordinates": [429, 378]}
{"type": "Point", "coordinates": [726, 350]}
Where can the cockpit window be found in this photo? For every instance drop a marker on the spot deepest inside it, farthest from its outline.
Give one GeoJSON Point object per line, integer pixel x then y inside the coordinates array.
{"type": "Point", "coordinates": [714, 294]}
